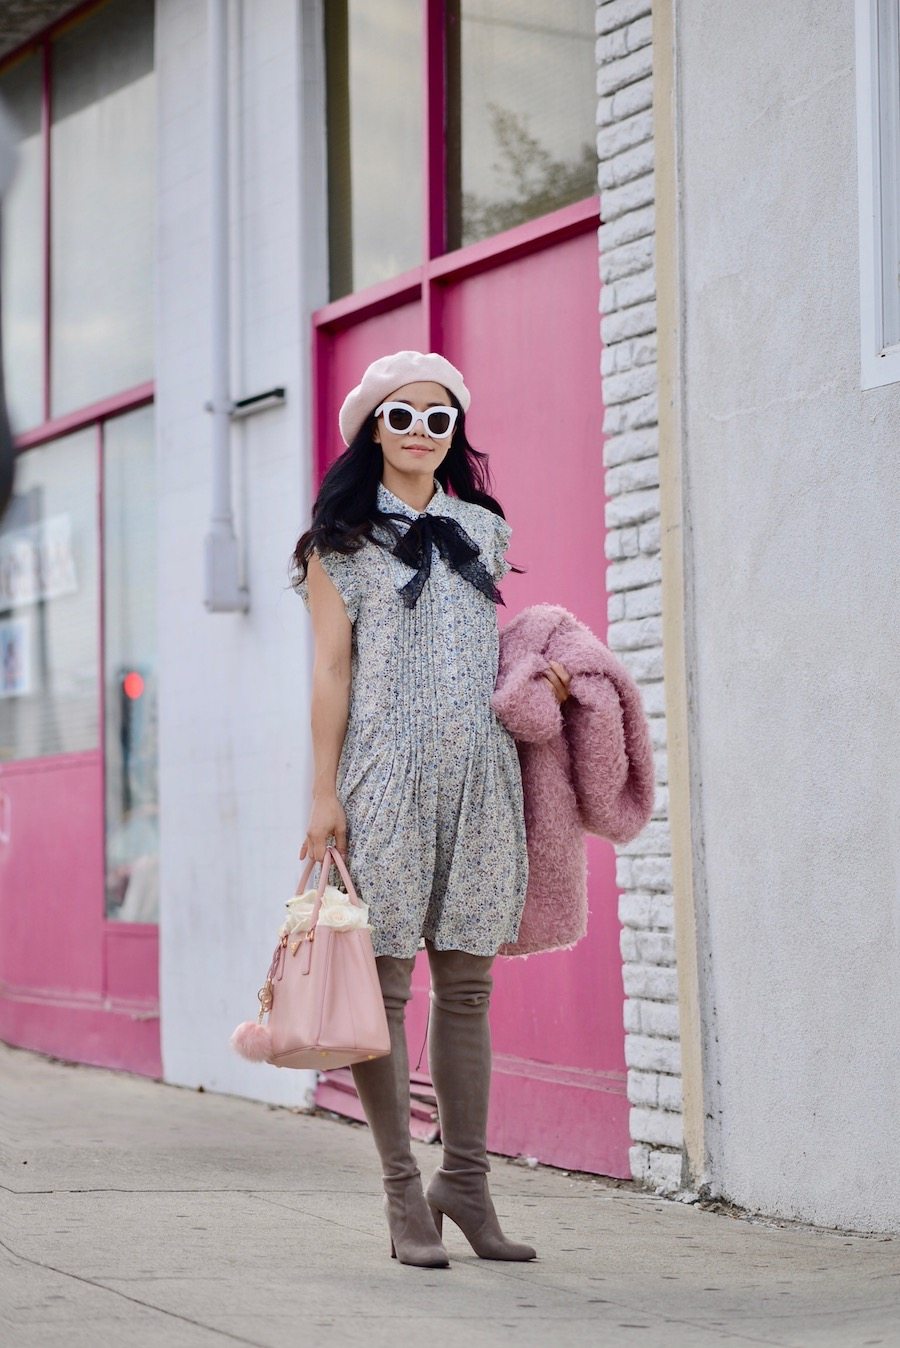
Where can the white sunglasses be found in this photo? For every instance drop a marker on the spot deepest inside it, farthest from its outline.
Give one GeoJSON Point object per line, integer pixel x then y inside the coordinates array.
{"type": "Point", "coordinates": [438, 422]}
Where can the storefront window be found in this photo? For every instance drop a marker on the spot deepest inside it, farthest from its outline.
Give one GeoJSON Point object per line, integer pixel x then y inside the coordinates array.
{"type": "Point", "coordinates": [130, 668]}
{"type": "Point", "coordinates": [521, 109]}
{"type": "Point", "coordinates": [374, 111]}
{"type": "Point", "coordinates": [22, 250]}
{"type": "Point", "coordinates": [102, 204]}
{"type": "Point", "coordinates": [48, 602]}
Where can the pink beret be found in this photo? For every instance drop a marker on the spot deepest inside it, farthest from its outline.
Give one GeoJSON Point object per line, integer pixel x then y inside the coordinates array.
{"type": "Point", "coordinates": [385, 375]}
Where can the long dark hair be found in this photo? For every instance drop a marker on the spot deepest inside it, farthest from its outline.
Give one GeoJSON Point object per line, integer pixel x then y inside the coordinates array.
{"type": "Point", "coordinates": [346, 507]}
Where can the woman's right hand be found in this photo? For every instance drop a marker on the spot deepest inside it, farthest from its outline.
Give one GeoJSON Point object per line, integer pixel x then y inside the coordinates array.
{"type": "Point", "coordinates": [327, 820]}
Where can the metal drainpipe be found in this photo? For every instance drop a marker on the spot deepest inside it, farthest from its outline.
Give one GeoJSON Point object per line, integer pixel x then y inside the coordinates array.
{"type": "Point", "coordinates": [223, 592]}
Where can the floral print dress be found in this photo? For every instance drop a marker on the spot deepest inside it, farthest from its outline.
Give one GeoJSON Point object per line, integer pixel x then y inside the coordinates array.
{"type": "Point", "coordinates": [428, 776]}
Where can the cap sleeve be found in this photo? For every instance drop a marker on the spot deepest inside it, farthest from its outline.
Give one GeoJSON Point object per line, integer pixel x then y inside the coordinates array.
{"type": "Point", "coordinates": [500, 536]}
{"type": "Point", "coordinates": [342, 570]}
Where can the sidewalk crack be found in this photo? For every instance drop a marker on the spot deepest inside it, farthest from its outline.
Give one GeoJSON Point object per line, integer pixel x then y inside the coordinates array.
{"type": "Point", "coordinates": [136, 1301]}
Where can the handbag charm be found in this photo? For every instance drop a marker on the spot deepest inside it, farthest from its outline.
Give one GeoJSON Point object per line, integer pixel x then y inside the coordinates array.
{"type": "Point", "coordinates": [321, 1005]}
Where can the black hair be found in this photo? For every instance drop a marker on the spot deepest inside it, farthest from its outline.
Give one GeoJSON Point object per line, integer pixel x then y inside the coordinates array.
{"type": "Point", "coordinates": [346, 508]}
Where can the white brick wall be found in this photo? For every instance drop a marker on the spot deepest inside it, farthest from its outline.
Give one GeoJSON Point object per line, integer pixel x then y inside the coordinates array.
{"type": "Point", "coordinates": [628, 327]}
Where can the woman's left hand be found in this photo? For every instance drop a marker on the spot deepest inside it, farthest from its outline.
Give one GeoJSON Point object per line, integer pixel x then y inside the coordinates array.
{"type": "Point", "coordinates": [558, 678]}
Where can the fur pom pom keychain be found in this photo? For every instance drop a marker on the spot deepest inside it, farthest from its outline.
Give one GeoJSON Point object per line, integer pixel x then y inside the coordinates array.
{"type": "Point", "coordinates": [252, 1039]}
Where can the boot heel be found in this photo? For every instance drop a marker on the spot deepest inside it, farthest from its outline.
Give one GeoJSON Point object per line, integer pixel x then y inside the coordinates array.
{"type": "Point", "coordinates": [438, 1216]}
{"type": "Point", "coordinates": [408, 1216]}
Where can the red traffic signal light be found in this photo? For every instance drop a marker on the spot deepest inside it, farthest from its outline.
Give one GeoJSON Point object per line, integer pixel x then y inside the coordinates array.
{"type": "Point", "coordinates": [133, 684]}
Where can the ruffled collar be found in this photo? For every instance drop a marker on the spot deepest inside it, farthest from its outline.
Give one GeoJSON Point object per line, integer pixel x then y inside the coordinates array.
{"type": "Point", "coordinates": [388, 501]}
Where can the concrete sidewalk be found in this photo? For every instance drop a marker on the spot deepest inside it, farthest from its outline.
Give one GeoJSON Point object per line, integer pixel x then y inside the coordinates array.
{"type": "Point", "coordinates": [137, 1214]}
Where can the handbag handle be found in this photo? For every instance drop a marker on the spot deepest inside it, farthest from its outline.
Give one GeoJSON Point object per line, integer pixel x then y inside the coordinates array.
{"type": "Point", "coordinates": [276, 968]}
{"type": "Point", "coordinates": [336, 860]}
{"type": "Point", "coordinates": [345, 876]}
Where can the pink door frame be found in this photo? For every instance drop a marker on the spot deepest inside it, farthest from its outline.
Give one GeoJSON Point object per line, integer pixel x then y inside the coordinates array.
{"type": "Point", "coordinates": [72, 983]}
{"type": "Point", "coordinates": [574, 1111]}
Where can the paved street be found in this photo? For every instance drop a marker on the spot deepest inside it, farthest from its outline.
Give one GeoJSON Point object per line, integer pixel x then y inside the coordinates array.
{"type": "Point", "coordinates": [136, 1214]}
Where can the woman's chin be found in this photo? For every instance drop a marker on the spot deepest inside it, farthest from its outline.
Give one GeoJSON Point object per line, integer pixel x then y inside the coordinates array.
{"type": "Point", "coordinates": [415, 466]}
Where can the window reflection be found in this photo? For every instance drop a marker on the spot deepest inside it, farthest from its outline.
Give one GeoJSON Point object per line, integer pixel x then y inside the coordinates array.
{"type": "Point", "coordinates": [130, 668]}
{"type": "Point", "coordinates": [521, 112]}
{"type": "Point", "coordinates": [374, 111]}
{"type": "Point", "coordinates": [23, 252]}
{"type": "Point", "coordinates": [48, 602]}
{"type": "Point", "coordinates": [102, 203]}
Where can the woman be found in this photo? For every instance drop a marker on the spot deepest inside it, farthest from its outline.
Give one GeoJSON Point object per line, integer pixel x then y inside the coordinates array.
{"type": "Point", "coordinates": [416, 780]}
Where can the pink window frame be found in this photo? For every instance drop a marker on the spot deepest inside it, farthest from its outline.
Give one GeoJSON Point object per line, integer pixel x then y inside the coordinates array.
{"type": "Point", "coordinates": [440, 267]}
{"type": "Point", "coordinates": [51, 428]}
{"type": "Point", "coordinates": [93, 414]}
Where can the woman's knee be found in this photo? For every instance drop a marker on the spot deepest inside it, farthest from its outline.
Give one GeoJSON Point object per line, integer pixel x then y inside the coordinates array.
{"type": "Point", "coordinates": [395, 977]}
{"type": "Point", "coordinates": [460, 981]}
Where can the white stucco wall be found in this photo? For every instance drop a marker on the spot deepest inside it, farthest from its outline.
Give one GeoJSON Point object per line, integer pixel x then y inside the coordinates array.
{"type": "Point", "coordinates": [234, 739]}
{"type": "Point", "coordinates": [791, 504]}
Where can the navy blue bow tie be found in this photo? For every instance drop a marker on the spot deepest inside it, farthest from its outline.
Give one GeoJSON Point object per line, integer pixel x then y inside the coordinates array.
{"type": "Point", "coordinates": [455, 546]}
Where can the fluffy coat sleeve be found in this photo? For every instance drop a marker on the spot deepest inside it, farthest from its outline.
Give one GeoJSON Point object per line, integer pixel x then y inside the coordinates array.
{"type": "Point", "coordinates": [611, 754]}
{"type": "Point", "coordinates": [602, 725]}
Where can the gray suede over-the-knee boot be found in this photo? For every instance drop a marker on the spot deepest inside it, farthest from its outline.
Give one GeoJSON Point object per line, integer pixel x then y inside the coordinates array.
{"type": "Point", "coordinates": [459, 1058]}
{"type": "Point", "coordinates": [383, 1088]}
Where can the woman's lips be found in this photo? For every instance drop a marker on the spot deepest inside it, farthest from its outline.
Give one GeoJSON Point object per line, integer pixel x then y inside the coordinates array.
{"type": "Point", "coordinates": [417, 449]}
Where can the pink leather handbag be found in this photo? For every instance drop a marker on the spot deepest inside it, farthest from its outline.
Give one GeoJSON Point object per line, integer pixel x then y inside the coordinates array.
{"type": "Point", "coordinates": [322, 994]}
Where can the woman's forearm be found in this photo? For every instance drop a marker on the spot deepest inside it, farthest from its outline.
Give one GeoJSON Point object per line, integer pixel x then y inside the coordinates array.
{"type": "Point", "coordinates": [329, 714]}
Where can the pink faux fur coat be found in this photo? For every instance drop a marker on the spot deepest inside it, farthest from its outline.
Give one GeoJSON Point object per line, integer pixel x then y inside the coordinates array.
{"type": "Point", "coordinates": [587, 764]}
